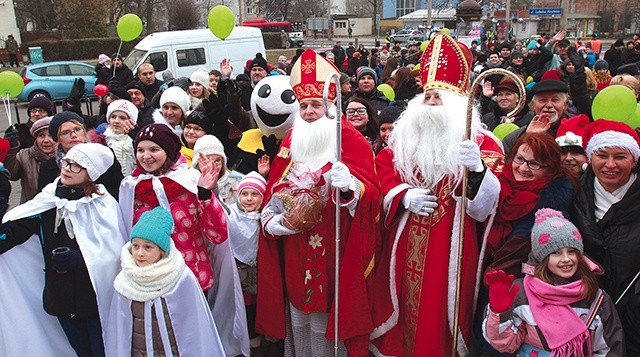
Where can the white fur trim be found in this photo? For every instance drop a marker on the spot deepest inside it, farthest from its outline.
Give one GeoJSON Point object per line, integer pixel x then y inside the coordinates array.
{"type": "Point", "coordinates": [388, 198]}
{"type": "Point", "coordinates": [613, 139]}
{"type": "Point", "coordinates": [393, 318]}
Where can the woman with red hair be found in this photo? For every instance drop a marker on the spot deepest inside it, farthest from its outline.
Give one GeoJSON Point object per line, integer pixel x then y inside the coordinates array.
{"type": "Point", "coordinates": [533, 178]}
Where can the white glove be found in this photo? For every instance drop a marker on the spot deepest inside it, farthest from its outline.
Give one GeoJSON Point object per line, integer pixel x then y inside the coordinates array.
{"type": "Point", "coordinates": [469, 156]}
{"type": "Point", "coordinates": [275, 227]}
{"type": "Point", "coordinates": [341, 177]}
{"type": "Point", "coordinates": [420, 201]}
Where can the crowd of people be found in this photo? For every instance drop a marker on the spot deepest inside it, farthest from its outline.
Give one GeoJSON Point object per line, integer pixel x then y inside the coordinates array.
{"type": "Point", "coordinates": [198, 216]}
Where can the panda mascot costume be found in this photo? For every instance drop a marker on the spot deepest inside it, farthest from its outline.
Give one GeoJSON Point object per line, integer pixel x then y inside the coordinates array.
{"type": "Point", "coordinates": [273, 106]}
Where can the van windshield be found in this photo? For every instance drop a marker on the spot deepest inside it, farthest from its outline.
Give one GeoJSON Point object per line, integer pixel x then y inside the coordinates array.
{"type": "Point", "coordinates": [134, 57]}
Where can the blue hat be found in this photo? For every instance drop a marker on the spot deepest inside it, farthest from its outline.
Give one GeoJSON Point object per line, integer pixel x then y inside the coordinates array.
{"type": "Point", "coordinates": [154, 226]}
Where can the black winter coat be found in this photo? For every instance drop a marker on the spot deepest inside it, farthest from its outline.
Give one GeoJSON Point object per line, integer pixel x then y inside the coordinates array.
{"type": "Point", "coordinates": [614, 242]}
{"type": "Point", "coordinates": [376, 97]}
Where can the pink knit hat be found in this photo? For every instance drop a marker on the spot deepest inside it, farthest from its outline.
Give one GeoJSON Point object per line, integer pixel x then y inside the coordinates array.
{"type": "Point", "coordinates": [255, 181]}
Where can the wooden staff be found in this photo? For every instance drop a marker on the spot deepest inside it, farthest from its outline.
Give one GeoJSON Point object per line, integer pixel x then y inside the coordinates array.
{"type": "Point", "coordinates": [465, 179]}
{"type": "Point", "coordinates": [327, 104]}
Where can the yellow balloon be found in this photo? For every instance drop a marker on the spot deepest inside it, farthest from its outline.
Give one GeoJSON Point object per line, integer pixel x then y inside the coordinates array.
{"type": "Point", "coordinates": [221, 21]}
{"type": "Point", "coordinates": [446, 30]}
{"type": "Point", "coordinates": [129, 27]}
{"type": "Point", "coordinates": [423, 45]}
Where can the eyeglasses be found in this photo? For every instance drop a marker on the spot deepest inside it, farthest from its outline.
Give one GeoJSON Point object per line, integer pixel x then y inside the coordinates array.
{"type": "Point", "coordinates": [75, 130]}
{"type": "Point", "coordinates": [533, 165]}
{"type": "Point", "coordinates": [353, 111]}
{"type": "Point", "coordinates": [197, 129]}
{"type": "Point", "coordinates": [71, 166]}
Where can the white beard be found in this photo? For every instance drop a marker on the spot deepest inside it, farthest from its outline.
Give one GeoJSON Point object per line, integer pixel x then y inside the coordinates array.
{"type": "Point", "coordinates": [313, 143]}
{"type": "Point", "coordinates": [425, 140]}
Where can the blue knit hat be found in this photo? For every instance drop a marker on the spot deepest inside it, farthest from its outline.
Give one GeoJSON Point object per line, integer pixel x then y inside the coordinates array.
{"type": "Point", "coordinates": [154, 226]}
{"type": "Point", "coordinates": [533, 45]}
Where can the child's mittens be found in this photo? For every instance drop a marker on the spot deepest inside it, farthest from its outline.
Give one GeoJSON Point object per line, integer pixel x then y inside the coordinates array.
{"type": "Point", "coordinates": [501, 292]}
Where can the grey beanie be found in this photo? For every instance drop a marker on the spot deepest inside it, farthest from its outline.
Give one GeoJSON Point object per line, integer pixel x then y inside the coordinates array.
{"type": "Point", "coordinates": [364, 70]}
{"type": "Point", "coordinates": [550, 232]}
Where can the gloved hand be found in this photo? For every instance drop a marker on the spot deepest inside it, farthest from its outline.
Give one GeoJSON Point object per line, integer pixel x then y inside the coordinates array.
{"type": "Point", "coordinates": [12, 136]}
{"type": "Point", "coordinates": [420, 201]}
{"type": "Point", "coordinates": [341, 177]}
{"type": "Point", "coordinates": [77, 91]}
{"type": "Point", "coordinates": [113, 83]}
{"type": "Point", "coordinates": [234, 94]}
{"type": "Point", "coordinates": [501, 292]}
{"type": "Point", "coordinates": [469, 156]}
{"type": "Point", "coordinates": [408, 89]}
{"type": "Point", "coordinates": [275, 226]}
{"type": "Point", "coordinates": [575, 58]}
{"type": "Point", "coordinates": [270, 144]}
{"type": "Point", "coordinates": [68, 260]}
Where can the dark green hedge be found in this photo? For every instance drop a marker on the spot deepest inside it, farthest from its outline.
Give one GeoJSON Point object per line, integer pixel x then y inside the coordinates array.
{"type": "Point", "coordinates": [90, 48]}
{"type": "Point", "coordinates": [80, 49]}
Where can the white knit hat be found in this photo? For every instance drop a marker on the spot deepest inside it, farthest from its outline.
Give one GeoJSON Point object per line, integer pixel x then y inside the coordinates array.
{"type": "Point", "coordinates": [201, 76]}
{"type": "Point", "coordinates": [207, 145]}
{"type": "Point", "coordinates": [178, 96]}
{"type": "Point", "coordinates": [102, 59]}
{"type": "Point", "coordinates": [95, 158]}
{"type": "Point", "coordinates": [125, 106]}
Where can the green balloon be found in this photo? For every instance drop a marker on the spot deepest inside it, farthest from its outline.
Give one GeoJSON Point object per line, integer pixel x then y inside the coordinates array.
{"type": "Point", "coordinates": [423, 45]}
{"type": "Point", "coordinates": [615, 103]}
{"type": "Point", "coordinates": [221, 21]}
{"type": "Point", "coordinates": [387, 91]}
{"type": "Point", "coordinates": [504, 129]}
{"type": "Point", "coordinates": [634, 120]}
{"type": "Point", "coordinates": [10, 84]}
{"type": "Point", "coordinates": [129, 27]}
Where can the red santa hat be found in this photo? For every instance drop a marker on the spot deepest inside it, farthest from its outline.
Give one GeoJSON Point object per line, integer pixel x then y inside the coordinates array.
{"type": "Point", "coordinates": [570, 131]}
{"type": "Point", "coordinates": [308, 75]}
{"type": "Point", "coordinates": [446, 64]}
{"type": "Point", "coordinates": [610, 134]}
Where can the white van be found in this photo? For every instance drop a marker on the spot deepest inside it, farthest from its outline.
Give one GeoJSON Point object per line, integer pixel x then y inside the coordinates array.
{"type": "Point", "coordinates": [183, 52]}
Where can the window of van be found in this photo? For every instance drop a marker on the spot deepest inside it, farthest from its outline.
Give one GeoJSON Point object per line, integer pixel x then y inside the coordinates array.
{"type": "Point", "coordinates": [158, 60]}
{"type": "Point", "coordinates": [191, 57]}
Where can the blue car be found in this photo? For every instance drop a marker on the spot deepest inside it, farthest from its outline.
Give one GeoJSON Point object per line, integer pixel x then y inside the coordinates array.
{"type": "Point", "coordinates": [55, 79]}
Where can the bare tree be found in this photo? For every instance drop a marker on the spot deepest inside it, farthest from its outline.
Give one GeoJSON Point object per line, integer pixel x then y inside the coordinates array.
{"type": "Point", "coordinates": [183, 14]}
{"type": "Point", "coordinates": [82, 18]}
{"type": "Point", "coordinates": [274, 9]}
{"type": "Point", "coordinates": [36, 12]}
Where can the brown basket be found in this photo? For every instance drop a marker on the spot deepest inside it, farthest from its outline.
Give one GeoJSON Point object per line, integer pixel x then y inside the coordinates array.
{"type": "Point", "coordinates": [303, 208]}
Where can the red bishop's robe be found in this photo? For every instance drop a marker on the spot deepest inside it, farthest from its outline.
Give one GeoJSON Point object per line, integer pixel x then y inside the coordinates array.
{"type": "Point", "coordinates": [300, 268]}
{"type": "Point", "coordinates": [416, 274]}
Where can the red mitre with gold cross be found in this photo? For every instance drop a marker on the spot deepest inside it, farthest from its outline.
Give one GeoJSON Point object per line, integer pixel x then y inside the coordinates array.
{"type": "Point", "coordinates": [446, 64]}
{"type": "Point", "coordinates": [308, 75]}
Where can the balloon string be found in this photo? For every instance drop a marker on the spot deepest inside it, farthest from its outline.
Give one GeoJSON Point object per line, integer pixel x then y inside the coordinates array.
{"type": "Point", "coordinates": [117, 55]}
{"type": "Point", "coordinates": [6, 101]}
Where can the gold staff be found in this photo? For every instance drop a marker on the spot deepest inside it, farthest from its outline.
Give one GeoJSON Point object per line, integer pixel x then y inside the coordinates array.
{"type": "Point", "coordinates": [465, 178]}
